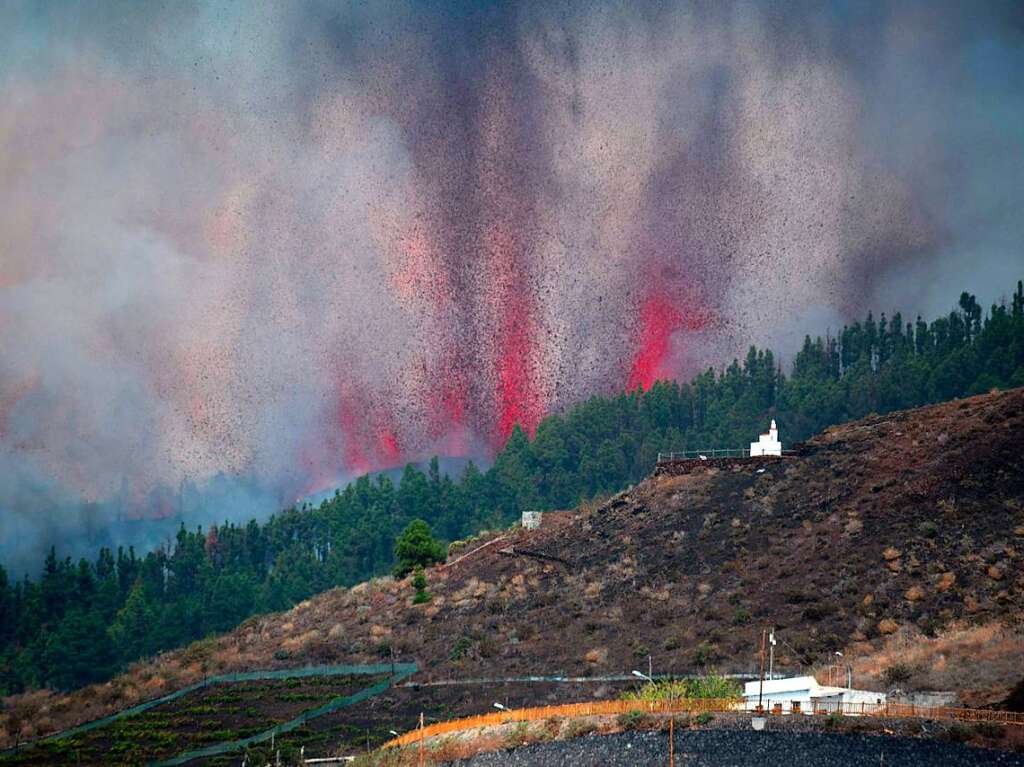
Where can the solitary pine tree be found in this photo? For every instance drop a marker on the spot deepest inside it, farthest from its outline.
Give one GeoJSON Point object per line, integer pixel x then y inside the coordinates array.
{"type": "Point", "coordinates": [416, 547]}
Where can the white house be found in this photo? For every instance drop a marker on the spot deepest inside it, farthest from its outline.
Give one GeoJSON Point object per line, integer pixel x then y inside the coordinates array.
{"type": "Point", "coordinates": [767, 444]}
{"type": "Point", "coordinates": [806, 691]}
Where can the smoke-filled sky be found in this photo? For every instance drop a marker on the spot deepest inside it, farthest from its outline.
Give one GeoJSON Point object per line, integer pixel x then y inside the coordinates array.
{"type": "Point", "coordinates": [298, 240]}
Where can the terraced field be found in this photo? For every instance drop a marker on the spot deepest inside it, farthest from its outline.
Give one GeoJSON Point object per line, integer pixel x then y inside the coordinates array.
{"type": "Point", "coordinates": [215, 714]}
{"type": "Point", "coordinates": [368, 724]}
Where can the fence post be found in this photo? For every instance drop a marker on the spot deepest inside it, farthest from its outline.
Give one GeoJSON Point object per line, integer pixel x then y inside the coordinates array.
{"type": "Point", "coordinates": [671, 739]}
{"type": "Point", "coordinates": [421, 739]}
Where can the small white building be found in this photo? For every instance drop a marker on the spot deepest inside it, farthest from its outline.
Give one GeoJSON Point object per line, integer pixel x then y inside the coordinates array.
{"type": "Point", "coordinates": [806, 691]}
{"type": "Point", "coordinates": [767, 444]}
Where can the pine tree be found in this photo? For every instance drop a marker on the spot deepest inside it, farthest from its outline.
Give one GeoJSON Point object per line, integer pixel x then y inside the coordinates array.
{"type": "Point", "coordinates": [417, 548]}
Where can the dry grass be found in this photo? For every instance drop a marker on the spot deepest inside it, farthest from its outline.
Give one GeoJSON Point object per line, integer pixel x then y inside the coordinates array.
{"type": "Point", "coordinates": [982, 663]}
{"type": "Point", "coordinates": [465, 745]}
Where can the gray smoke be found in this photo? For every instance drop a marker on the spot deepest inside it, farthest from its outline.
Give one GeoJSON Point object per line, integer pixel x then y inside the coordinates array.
{"type": "Point", "coordinates": [249, 251]}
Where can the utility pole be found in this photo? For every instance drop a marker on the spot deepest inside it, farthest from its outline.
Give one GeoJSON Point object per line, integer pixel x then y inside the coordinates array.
{"type": "Point", "coordinates": [671, 724]}
{"type": "Point", "coordinates": [671, 738]}
{"type": "Point", "coordinates": [771, 653]}
{"type": "Point", "coordinates": [760, 688]}
{"type": "Point", "coordinates": [650, 668]}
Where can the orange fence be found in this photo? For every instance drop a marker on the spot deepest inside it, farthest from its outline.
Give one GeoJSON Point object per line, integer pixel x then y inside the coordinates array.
{"type": "Point", "coordinates": [568, 710]}
{"type": "Point", "coordinates": [696, 706]}
{"type": "Point", "coordinates": [907, 710]}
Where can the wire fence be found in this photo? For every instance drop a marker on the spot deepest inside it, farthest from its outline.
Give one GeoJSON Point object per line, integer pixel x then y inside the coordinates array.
{"type": "Point", "coordinates": [706, 454]}
{"type": "Point", "coordinates": [700, 706]}
{"type": "Point", "coordinates": [908, 711]}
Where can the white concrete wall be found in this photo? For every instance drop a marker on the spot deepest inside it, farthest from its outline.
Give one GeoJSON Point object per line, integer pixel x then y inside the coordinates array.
{"type": "Point", "coordinates": [806, 690]}
{"type": "Point", "coordinates": [531, 519]}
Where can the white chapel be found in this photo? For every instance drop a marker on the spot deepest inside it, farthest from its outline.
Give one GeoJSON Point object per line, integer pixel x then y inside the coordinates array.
{"type": "Point", "coordinates": [767, 444]}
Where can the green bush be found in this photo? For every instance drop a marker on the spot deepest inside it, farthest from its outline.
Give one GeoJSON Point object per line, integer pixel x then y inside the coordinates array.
{"type": "Point", "coordinates": [641, 651]}
{"type": "Point", "coordinates": [519, 736]}
{"type": "Point", "coordinates": [897, 674]}
{"type": "Point", "coordinates": [741, 617]}
{"type": "Point", "coordinates": [635, 720]}
{"type": "Point", "coordinates": [710, 686]}
{"type": "Point", "coordinates": [714, 686]}
{"type": "Point", "coordinates": [577, 728]}
{"type": "Point", "coordinates": [460, 648]}
{"type": "Point", "coordinates": [419, 582]}
{"type": "Point", "coordinates": [704, 717]}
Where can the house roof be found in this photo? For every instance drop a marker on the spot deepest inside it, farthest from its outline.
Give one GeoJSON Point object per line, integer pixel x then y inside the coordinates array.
{"type": "Point", "coordinates": [800, 684]}
{"type": "Point", "coordinates": [791, 684]}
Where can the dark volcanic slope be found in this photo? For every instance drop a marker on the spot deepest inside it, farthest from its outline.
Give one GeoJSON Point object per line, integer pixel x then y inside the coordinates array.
{"type": "Point", "coordinates": [725, 748]}
{"type": "Point", "coordinates": [911, 518]}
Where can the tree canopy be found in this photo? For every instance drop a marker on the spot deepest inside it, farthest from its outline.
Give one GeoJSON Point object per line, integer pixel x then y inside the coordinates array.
{"type": "Point", "coordinates": [417, 548]}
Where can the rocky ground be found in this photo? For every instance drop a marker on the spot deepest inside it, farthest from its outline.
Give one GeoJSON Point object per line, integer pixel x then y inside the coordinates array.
{"type": "Point", "coordinates": [735, 748]}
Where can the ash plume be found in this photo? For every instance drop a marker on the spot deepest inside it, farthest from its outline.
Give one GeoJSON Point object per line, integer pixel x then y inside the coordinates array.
{"type": "Point", "coordinates": [293, 242]}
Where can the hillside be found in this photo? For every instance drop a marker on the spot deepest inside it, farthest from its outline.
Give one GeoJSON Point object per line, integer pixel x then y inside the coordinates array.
{"type": "Point", "coordinates": [81, 623]}
{"type": "Point", "coordinates": [889, 527]}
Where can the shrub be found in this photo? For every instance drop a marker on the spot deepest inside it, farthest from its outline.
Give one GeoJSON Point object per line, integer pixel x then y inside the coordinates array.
{"type": "Point", "coordinates": [460, 648]}
{"type": "Point", "coordinates": [741, 617]}
{"type": "Point", "coordinates": [817, 611]}
{"type": "Point", "coordinates": [710, 686]}
{"type": "Point", "coordinates": [419, 582]}
{"type": "Point", "coordinates": [665, 690]}
{"type": "Point", "coordinates": [713, 686]}
{"type": "Point", "coordinates": [704, 717]}
{"type": "Point", "coordinates": [992, 730]}
{"type": "Point", "coordinates": [577, 728]}
{"type": "Point", "coordinates": [634, 720]}
{"type": "Point", "coordinates": [957, 733]}
{"type": "Point", "coordinates": [519, 736]}
{"type": "Point", "coordinates": [488, 647]}
{"type": "Point", "coordinates": [897, 674]}
{"type": "Point", "coordinates": [706, 654]}
{"type": "Point", "coordinates": [928, 529]}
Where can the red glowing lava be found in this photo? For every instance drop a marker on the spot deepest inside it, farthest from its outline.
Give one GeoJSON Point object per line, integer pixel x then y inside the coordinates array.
{"type": "Point", "coordinates": [518, 399]}
{"type": "Point", "coordinates": [659, 319]}
{"type": "Point", "coordinates": [355, 456]}
{"type": "Point", "coordinates": [387, 447]}
{"type": "Point", "coordinates": [517, 403]}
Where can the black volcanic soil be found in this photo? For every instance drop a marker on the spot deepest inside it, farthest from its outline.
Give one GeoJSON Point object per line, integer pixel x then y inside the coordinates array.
{"type": "Point", "coordinates": [725, 748]}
